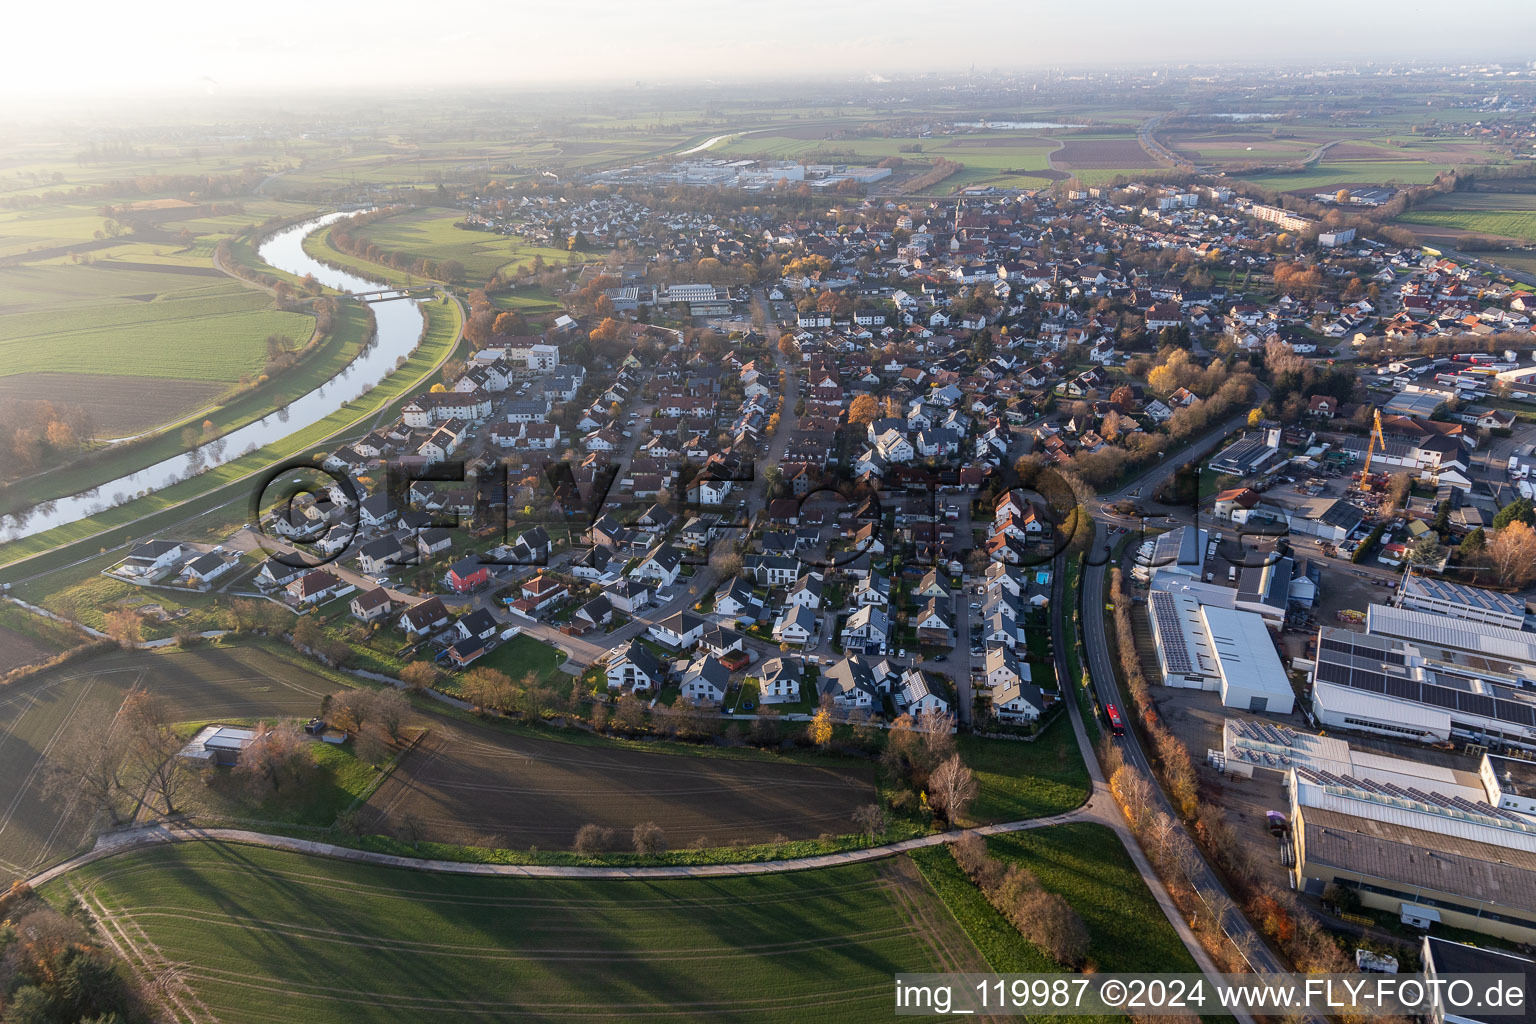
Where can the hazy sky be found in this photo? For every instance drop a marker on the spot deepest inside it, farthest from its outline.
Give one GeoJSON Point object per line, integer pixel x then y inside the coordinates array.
{"type": "Point", "coordinates": [113, 48]}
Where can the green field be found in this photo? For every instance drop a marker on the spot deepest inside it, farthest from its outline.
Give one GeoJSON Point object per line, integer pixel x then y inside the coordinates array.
{"type": "Point", "coordinates": [318, 365]}
{"type": "Point", "coordinates": [1502, 224]}
{"type": "Point", "coordinates": [1084, 864]}
{"type": "Point", "coordinates": [140, 323]}
{"type": "Point", "coordinates": [201, 494]}
{"type": "Point", "coordinates": [1352, 172]}
{"type": "Point", "coordinates": [259, 929]}
{"type": "Point", "coordinates": [1026, 780]}
{"type": "Point", "coordinates": [432, 233]}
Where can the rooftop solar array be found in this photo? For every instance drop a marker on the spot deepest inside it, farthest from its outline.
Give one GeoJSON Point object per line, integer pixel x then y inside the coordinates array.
{"type": "Point", "coordinates": [1411, 794]}
{"type": "Point", "coordinates": [1364, 662]}
{"type": "Point", "coordinates": [1170, 632]}
{"type": "Point", "coordinates": [1472, 597]}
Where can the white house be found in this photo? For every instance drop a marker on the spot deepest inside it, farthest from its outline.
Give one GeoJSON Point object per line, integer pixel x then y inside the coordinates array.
{"type": "Point", "coordinates": [779, 681]}
{"type": "Point", "coordinates": [633, 667]}
{"type": "Point", "coordinates": [797, 625]}
{"type": "Point", "coordinates": [866, 629]}
{"type": "Point", "coordinates": [915, 694]}
{"type": "Point", "coordinates": [706, 681]}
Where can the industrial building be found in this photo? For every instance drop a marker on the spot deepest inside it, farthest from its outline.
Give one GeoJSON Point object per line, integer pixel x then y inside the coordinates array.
{"type": "Point", "coordinates": [1419, 593]}
{"type": "Point", "coordinates": [1417, 676]}
{"type": "Point", "coordinates": [1443, 960]}
{"type": "Point", "coordinates": [1178, 552]}
{"type": "Point", "coordinates": [1434, 852]}
{"type": "Point", "coordinates": [1248, 454]}
{"type": "Point", "coordinates": [1211, 648]}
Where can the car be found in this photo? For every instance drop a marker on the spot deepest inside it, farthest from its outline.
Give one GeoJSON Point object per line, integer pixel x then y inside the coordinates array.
{"type": "Point", "coordinates": [901, 652]}
{"type": "Point", "coordinates": [975, 606]}
{"type": "Point", "coordinates": [939, 658]}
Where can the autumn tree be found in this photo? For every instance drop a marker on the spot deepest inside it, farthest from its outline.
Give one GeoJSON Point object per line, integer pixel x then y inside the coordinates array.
{"type": "Point", "coordinates": [509, 323]}
{"type": "Point", "coordinates": [275, 758]}
{"type": "Point", "coordinates": [863, 410]}
{"type": "Point", "coordinates": [126, 627]}
{"type": "Point", "coordinates": [419, 675]}
{"type": "Point", "coordinates": [952, 787]}
{"type": "Point", "coordinates": [486, 688]}
{"type": "Point", "coordinates": [1512, 553]}
{"type": "Point", "coordinates": [819, 731]}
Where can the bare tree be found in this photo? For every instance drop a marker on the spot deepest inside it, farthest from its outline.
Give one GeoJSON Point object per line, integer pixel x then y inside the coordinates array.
{"type": "Point", "coordinates": [275, 757]}
{"type": "Point", "coordinates": [1047, 920]}
{"type": "Point", "coordinates": [870, 820]}
{"type": "Point", "coordinates": [87, 766]}
{"type": "Point", "coordinates": [952, 787]}
{"type": "Point", "coordinates": [390, 707]}
{"type": "Point", "coordinates": [154, 747]}
{"type": "Point", "coordinates": [593, 839]}
{"type": "Point", "coordinates": [649, 838]}
{"type": "Point", "coordinates": [938, 732]}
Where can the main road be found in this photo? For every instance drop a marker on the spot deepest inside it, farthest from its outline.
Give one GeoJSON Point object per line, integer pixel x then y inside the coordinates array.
{"type": "Point", "coordinates": [1101, 673]}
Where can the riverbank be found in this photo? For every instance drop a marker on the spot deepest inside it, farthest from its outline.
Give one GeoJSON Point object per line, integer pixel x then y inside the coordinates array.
{"type": "Point", "coordinates": [164, 508]}
{"type": "Point", "coordinates": [328, 358]}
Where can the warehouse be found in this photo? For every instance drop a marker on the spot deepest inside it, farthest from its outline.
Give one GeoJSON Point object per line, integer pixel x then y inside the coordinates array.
{"type": "Point", "coordinates": [1423, 853]}
{"type": "Point", "coordinates": [1205, 647]}
{"type": "Point", "coordinates": [1406, 689]}
{"type": "Point", "coordinates": [1470, 603]}
{"type": "Point", "coordinates": [1507, 652]}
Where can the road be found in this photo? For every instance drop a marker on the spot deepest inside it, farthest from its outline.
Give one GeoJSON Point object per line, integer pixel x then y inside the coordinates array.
{"type": "Point", "coordinates": [1101, 671]}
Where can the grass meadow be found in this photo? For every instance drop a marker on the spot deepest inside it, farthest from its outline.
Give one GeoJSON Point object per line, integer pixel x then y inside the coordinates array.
{"type": "Point", "coordinates": [259, 929]}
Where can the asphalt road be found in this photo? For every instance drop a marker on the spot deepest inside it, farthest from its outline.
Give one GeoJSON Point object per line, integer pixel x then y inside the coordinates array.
{"type": "Point", "coordinates": [1102, 672]}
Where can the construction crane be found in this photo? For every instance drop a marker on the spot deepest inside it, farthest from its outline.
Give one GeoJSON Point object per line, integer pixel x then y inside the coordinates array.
{"type": "Point", "coordinates": [1376, 437]}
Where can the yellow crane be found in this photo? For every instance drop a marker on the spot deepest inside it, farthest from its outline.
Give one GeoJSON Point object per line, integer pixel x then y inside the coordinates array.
{"type": "Point", "coordinates": [1376, 437]}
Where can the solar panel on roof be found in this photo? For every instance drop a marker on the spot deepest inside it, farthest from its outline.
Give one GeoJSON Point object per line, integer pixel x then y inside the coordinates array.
{"type": "Point", "coordinates": [1476, 704]}
{"type": "Point", "coordinates": [1439, 696]}
{"type": "Point", "coordinates": [1402, 689]}
{"type": "Point", "coordinates": [1329, 672]}
{"type": "Point", "coordinates": [1517, 712]}
{"type": "Point", "coordinates": [1375, 682]}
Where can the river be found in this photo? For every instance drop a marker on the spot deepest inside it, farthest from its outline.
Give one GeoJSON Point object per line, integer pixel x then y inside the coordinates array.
{"type": "Point", "coordinates": [399, 324]}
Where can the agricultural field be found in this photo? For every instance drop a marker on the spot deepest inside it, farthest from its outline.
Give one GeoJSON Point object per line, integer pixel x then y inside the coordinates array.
{"type": "Point", "coordinates": [1003, 158]}
{"type": "Point", "coordinates": [70, 703]}
{"type": "Point", "coordinates": [362, 943]}
{"type": "Point", "coordinates": [1081, 153]}
{"type": "Point", "coordinates": [433, 234]}
{"type": "Point", "coordinates": [475, 785]}
{"type": "Point", "coordinates": [1484, 212]}
{"type": "Point", "coordinates": [154, 343]}
{"type": "Point", "coordinates": [1085, 865]}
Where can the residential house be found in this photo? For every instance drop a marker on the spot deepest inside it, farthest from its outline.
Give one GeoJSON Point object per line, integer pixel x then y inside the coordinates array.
{"type": "Point", "coordinates": [779, 681]}
{"type": "Point", "coordinates": [634, 667]}
{"type": "Point", "coordinates": [423, 618]}
{"type": "Point", "coordinates": [866, 630]}
{"type": "Point", "coordinates": [680, 630]}
{"type": "Point", "coordinates": [796, 625]}
{"type": "Point", "coordinates": [706, 681]}
{"type": "Point", "coordinates": [371, 605]}
{"type": "Point", "coordinates": [851, 684]}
